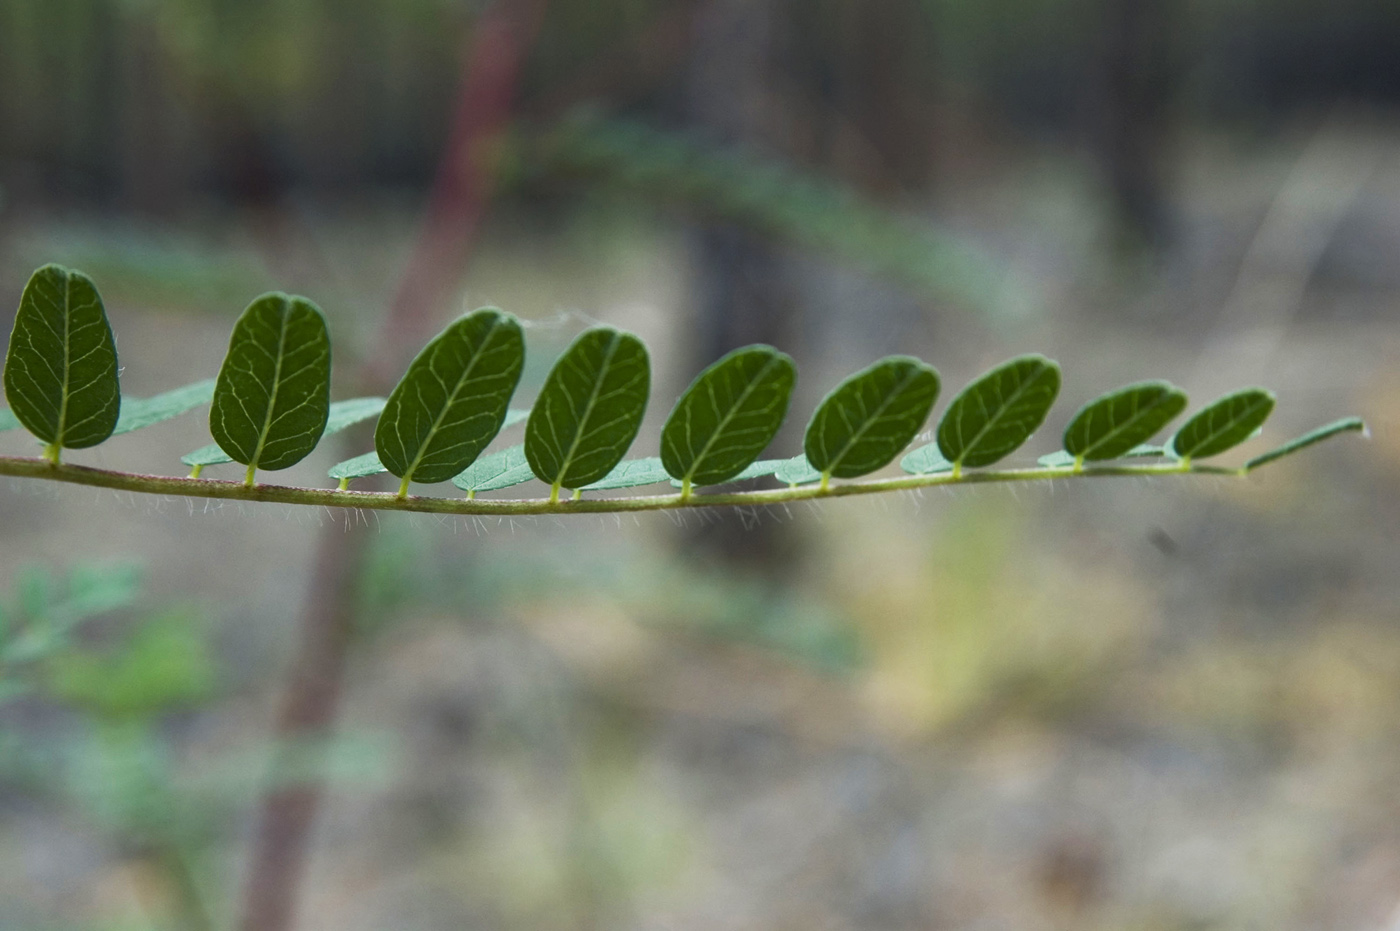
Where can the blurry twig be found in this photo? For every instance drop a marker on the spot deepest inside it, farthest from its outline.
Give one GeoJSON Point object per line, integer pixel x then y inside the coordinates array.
{"type": "Point", "coordinates": [1273, 277]}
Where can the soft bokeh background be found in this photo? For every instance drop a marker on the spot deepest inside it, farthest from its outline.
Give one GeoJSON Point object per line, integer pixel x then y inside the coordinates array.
{"type": "Point", "coordinates": [1153, 706]}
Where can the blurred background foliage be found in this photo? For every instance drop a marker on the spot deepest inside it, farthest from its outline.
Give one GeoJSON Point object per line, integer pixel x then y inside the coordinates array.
{"type": "Point", "coordinates": [1121, 707]}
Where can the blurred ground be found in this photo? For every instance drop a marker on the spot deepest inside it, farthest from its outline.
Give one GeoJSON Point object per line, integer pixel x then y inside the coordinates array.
{"type": "Point", "coordinates": [1120, 705]}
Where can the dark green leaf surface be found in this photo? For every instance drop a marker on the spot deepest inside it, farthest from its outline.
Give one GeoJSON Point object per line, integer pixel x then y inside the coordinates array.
{"type": "Point", "coordinates": [1346, 425]}
{"type": "Point", "coordinates": [589, 409]}
{"type": "Point", "coordinates": [994, 415]}
{"type": "Point", "coordinates": [1112, 424]}
{"type": "Point", "coordinates": [631, 473]}
{"type": "Point", "coordinates": [341, 416]}
{"type": "Point", "coordinates": [273, 397]}
{"type": "Point", "coordinates": [728, 415]}
{"type": "Point", "coordinates": [453, 400]}
{"type": "Point", "coordinates": [496, 470]}
{"type": "Point", "coordinates": [358, 467]}
{"type": "Point", "coordinates": [868, 418]}
{"type": "Point", "coordinates": [925, 460]}
{"type": "Point", "coordinates": [797, 471]}
{"type": "Point", "coordinates": [61, 367]}
{"type": "Point", "coordinates": [759, 469]}
{"type": "Point", "coordinates": [138, 413]}
{"type": "Point", "coordinates": [1224, 424]}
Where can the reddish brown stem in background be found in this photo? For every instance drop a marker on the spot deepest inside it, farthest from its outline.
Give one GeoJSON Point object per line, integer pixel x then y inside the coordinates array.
{"type": "Point", "coordinates": [287, 811]}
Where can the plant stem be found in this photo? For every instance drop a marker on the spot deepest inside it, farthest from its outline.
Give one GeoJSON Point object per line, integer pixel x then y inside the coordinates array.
{"type": "Point", "coordinates": [504, 507]}
{"type": "Point", "coordinates": [308, 713]}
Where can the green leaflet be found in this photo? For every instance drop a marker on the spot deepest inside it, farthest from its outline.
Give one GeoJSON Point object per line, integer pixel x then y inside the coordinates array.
{"type": "Point", "coordinates": [345, 414]}
{"type": "Point", "coordinates": [358, 467]}
{"type": "Point", "coordinates": [727, 416]}
{"type": "Point", "coordinates": [453, 399]}
{"type": "Point", "coordinates": [925, 460]}
{"type": "Point", "coordinates": [759, 469]}
{"type": "Point", "coordinates": [61, 367]}
{"type": "Point", "coordinates": [8, 421]}
{"type": "Point", "coordinates": [1344, 425]}
{"type": "Point", "coordinates": [273, 394]}
{"type": "Point", "coordinates": [867, 419]}
{"type": "Point", "coordinates": [1115, 423]}
{"type": "Point", "coordinates": [500, 469]}
{"type": "Point", "coordinates": [1224, 424]}
{"type": "Point", "coordinates": [796, 471]}
{"type": "Point", "coordinates": [138, 413]}
{"type": "Point", "coordinates": [994, 415]}
{"type": "Point", "coordinates": [341, 416]}
{"type": "Point", "coordinates": [632, 472]}
{"type": "Point", "coordinates": [589, 409]}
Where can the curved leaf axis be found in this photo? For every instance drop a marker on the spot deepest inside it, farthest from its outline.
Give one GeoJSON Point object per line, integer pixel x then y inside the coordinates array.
{"type": "Point", "coordinates": [270, 407]}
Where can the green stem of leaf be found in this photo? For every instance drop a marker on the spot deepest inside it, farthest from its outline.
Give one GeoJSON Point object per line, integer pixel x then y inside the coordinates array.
{"type": "Point", "coordinates": [403, 488]}
{"type": "Point", "coordinates": [53, 452]}
{"type": "Point", "coordinates": [251, 474]}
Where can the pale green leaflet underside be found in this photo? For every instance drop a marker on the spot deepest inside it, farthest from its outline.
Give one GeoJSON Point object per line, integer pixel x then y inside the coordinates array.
{"type": "Point", "coordinates": [728, 416]}
{"type": "Point", "coordinates": [139, 413]}
{"type": "Point", "coordinates": [797, 471]}
{"type": "Point", "coordinates": [273, 393]}
{"type": "Point", "coordinates": [1224, 424]}
{"type": "Point", "coordinates": [589, 410]}
{"type": "Point", "coordinates": [1115, 423]}
{"type": "Point", "coordinates": [994, 415]}
{"type": "Point", "coordinates": [760, 469]}
{"type": "Point", "coordinates": [360, 466]}
{"type": "Point", "coordinates": [61, 366]}
{"type": "Point", "coordinates": [925, 460]}
{"type": "Point", "coordinates": [453, 399]}
{"type": "Point", "coordinates": [631, 473]}
{"type": "Point", "coordinates": [496, 470]}
{"type": "Point", "coordinates": [870, 417]}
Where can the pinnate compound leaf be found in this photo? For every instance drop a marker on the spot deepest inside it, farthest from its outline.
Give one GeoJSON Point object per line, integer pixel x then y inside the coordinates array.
{"type": "Point", "coordinates": [1113, 424]}
{"type": "Point", "coordinates": [1224, 424]}
{"type": "Point", "coordinates": [867, 419]}
{"type": "Point", "coordinates": [341, 416]}
{"type": "Point", "coordinates": [453, 399]}
{"type": "Point", "coordinates": [994, 415]}
{"type": "Point", "coordinates": [273, 394]}
{"type": "Point", "coordinates": [728, 415]}
{"type": "Point", "coordinates": [1345, 425]}
{"type": "Point", "coordinates": [61, 367]}
{"type": "Point", "coordinates": [139, 413]}
{"type": "Point", "coordinates": [797, 471]}
{"type": "Point", "coordinates": [631, 473]}
{"type": "Point", "coordinates": [925, 460]}
{"type": "Point", "coordinates": [589, 410]}
{"type": "Point", "coordinates": [360, 466]}
{"type": "Point", "coordinates": [497, 470]}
